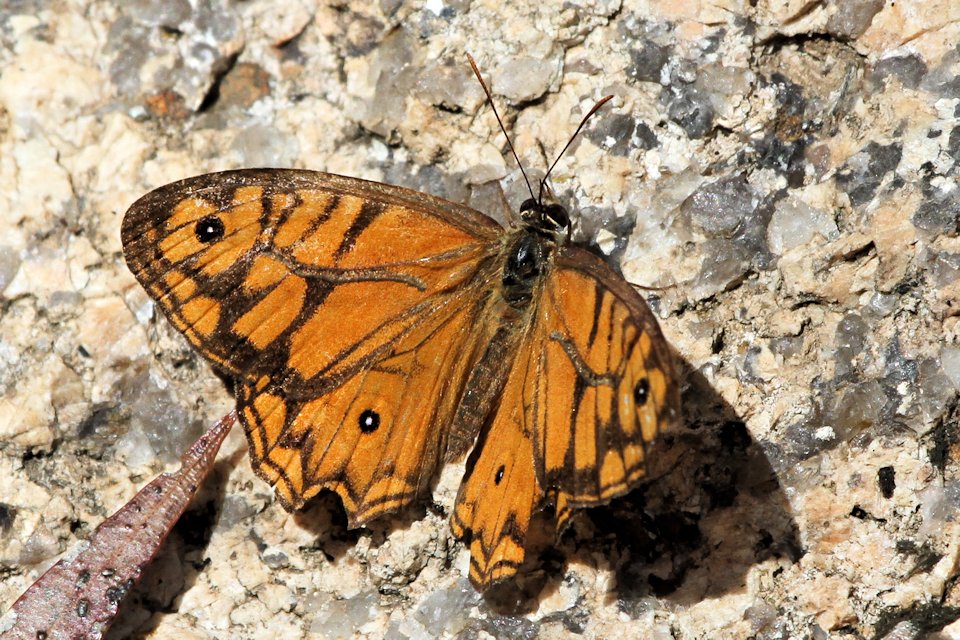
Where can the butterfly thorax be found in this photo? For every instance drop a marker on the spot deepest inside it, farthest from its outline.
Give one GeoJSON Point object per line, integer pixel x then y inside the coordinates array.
{"type": "Point", "coordinates": [530, 249]}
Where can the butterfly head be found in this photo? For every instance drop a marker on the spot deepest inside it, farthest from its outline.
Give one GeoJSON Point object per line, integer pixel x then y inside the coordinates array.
{"type": "Point", "coordinates": [548, 217]}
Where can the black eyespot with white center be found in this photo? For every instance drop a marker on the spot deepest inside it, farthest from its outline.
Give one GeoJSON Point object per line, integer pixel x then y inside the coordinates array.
{"type": "Point", "coordinates": [498, 476]}
{"type": "Point", "coordinates": [209, 229]}
{"type": "Point", "coordinates": [641, 392]}
{"type": "Point", "coordinates": [369, 421]}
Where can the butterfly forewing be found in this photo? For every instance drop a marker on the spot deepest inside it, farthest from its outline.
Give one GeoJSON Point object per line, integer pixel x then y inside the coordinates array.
{"type": "Point", "coordinates": [609, 390]}
{"type": "Point", "coordinates": [242, 261]}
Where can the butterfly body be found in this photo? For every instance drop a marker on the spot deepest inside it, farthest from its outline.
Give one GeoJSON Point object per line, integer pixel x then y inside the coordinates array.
{"type": "Point", "coordinates": [528, 257]}
{"type": "Point", "coordinates": [373, 332]}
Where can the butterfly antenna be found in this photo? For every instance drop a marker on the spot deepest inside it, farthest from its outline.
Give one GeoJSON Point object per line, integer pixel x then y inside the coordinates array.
{"type": "Point", "coordinates": [647, 287]}
{"type": "Point", "coordinates": [592, 111]}
{"type": "Point", "coordinates": [476, 72]}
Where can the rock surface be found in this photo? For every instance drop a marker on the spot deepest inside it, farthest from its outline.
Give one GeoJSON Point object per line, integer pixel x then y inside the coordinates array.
{"type": "Point", "coordinates": [782, 174]}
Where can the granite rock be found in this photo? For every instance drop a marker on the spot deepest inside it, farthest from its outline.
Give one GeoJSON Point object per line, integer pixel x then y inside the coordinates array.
{"type": "Point", "coordinates": [780, 177]}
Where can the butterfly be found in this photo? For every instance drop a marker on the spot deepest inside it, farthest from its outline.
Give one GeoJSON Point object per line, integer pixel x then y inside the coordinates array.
{"type": "Point", "coordinates": [373, 333]}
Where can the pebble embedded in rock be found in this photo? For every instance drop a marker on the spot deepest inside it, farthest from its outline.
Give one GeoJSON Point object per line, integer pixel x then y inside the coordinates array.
{"type": "Point", "coordinates": [719, 208]}
{"type": "Point", "coordinates": [525, 78]}
{"type": "Point", "coordinates": [794, 223]}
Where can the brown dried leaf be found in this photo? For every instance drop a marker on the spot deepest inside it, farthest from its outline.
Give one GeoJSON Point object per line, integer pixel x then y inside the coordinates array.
{"type": "Point", "coordinates": [78, 597]}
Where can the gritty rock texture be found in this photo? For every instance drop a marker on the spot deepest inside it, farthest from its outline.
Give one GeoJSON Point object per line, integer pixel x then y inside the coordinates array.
{"type": "Point", "coordinates": [781, 176]}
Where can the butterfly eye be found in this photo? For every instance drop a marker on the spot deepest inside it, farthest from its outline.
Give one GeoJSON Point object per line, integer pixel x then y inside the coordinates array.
{"type": "Point", "coordinates": [498, 476]}
{"type": "Point", "coordinates": [528, 205]}
{"type": "Point", "coordinates": [558, 215]}
{"type": "Point", "coordinates": [369, 421]}
{"type": "Point", "coordinates": [641, 391]}
{"type": "Point", "coordinates": [209, 229]}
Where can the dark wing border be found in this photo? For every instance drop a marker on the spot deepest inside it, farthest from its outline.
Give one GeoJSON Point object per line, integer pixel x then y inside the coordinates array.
{"type": "Point", "coordinates": [281, 180]}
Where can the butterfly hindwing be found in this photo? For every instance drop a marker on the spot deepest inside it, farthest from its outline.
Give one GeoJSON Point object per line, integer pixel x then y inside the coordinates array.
{"type": "Point", "coordinates": [500, 490]}
{"type": "Point", "coordinates": [377, 438]}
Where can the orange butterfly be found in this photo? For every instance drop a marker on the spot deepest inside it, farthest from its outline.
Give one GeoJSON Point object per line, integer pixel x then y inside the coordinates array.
{"type": "Point", "coordinates": [374, 332]}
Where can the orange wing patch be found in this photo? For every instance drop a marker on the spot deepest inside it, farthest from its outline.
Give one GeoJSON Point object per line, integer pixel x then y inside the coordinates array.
{"type": "Point", "coordinates": [273, 314]}
{"type": "Point", "coordinates": [265, 272]}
